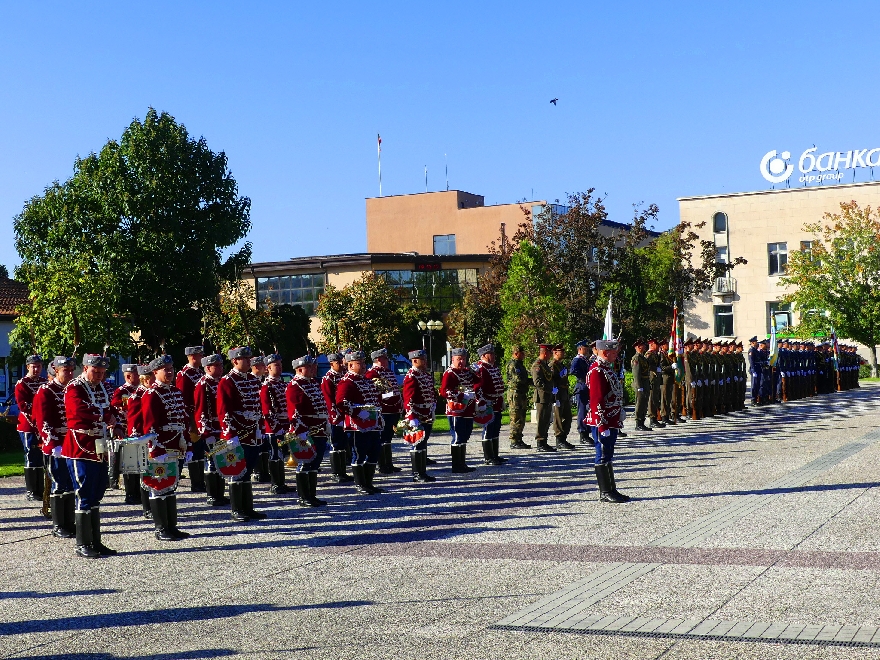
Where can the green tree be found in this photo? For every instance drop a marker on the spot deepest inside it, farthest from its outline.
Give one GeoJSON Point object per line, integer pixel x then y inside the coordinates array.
{"type": "Point", "coordinates": [135, 243]}
{"type": "Point", "coordinates": [836, 281]}
{"type": "Point", "coordinates": [368, 314]}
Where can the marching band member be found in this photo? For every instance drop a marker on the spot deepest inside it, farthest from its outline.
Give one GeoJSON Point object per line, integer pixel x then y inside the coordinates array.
{"type": "Point", "coordinates": [89, 415]}
{"type": "Point", "coordinates": [163, 414]}
{"type": "Point", "coordinates": [136, 427]}
{"type": "Point", "coordinates": [51, 424]}
{"type": "Point", "coordinates": [460, 388]}
{"type": "Point", "coordinates": [358, 399]}
{"type": "Point", "coordinates": [492, 388]}
{"type": "Point", "coordinates": [185, 381]}
{"type": "Point", "coordinates": [275, 421]}
{"type": "Point", "coordinates": [419, 402]}
{"type": "Point", "coordinates": [606, 417]}
{"type": "Point", "coordinates": [392, 406]}
{"type": "Point", "coordinates": [308, 418]}
{"type": "Point", "coordinates": [208, 425]}
{"type": "Point", "coordinates": [258, 369]}
{"type": "Point", "coordinates": [119, 400]}
{"type": "Point", "coordinates": [340, 439]}
{"type": "Point", "coordinates": [25, 389]}
{"type": "Point", "coordinates": [238, 408]}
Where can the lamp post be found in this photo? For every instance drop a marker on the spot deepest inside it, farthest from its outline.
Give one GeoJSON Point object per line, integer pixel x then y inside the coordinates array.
{"type": "Point", "coordinates": [430, 327]}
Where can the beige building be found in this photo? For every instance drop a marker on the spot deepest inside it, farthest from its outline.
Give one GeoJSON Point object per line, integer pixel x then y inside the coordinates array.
{"type": "Point", "coordinates": [763, 227]}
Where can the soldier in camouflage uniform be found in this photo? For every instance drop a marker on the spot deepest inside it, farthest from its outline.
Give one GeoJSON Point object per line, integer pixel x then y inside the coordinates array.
{"type": "Point", "coordinates": [562, 409]}
{"type": "Point", "coordinates": [518, 383]}
{"type": "Point", "coordinates": [655, 382]}
{"type": "Point", "coordinates": [641, 383]}
{"type": "Point", "coordinates": [545, 396]}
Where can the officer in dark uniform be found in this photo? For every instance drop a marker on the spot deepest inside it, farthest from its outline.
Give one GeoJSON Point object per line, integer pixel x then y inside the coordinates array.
{"type": "Point", "coordinates": [545, 396]}
{"type": "Point", "coordinates": [580, 365]}
{"type": "Point", "coordinates": [641, 383]}
{"type": "Point", "coordinates": [518, 384]}
{"type": "Point", "coordinates": [655, 380]}
{"type": "Point", "coordinates": [562, 404]}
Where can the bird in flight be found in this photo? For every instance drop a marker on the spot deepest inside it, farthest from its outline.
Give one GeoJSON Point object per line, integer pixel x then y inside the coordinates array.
{"type": "Point", "coordinates": [553, 101]}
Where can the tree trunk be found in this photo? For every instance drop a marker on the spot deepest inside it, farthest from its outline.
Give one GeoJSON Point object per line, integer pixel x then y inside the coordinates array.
{"type": "Point", "coordinates": [873, 356]}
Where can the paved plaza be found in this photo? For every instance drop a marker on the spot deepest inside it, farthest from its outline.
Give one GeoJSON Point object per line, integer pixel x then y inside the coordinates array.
{"type": "Point", "coordinates": [753, 535]}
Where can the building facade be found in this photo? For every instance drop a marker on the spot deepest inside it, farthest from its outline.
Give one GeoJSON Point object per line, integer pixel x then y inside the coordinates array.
{"type": "Point", "coordinates": [764, 227]}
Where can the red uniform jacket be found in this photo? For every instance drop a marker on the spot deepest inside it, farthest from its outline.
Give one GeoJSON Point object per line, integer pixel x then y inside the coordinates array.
{"type": "Point", "coordinates": [389, 390]}
{"type": "Point", "coordinates": [329, 385]}
{"type": "Point", "coordinates": [48, 415]}
{"type": "Point", "coordinates": [133, 412]}
{"type": "Point", "coordinates": [452, 388]}
{"type": "Point", "coordinates": [205, 395]}
{"type": "Point", "coordinates": [121, 396]}
{"type": "Point", "coordinates": [307, 407]}
{"type": "Point", "coordinates": [162, 413]}
{"type": "Point", "coordinates": [606, 397]}
{"type": "Point", "coordinates": [88, 411]}
{"type": "Point", "coordinates": [186, 381]}
{"type": "Point", "coordinates": [355, 392]}
{"type": "Point", "coordinates": [491, 385]}
{"type": "Point", "coordinates": [419, 396]}
{"type": "Point", "coordinates": [238, 407]}
{"type": "Point", "coordinates": [25, 389]}
{"type": "Point", "coordinates": [274, 405]}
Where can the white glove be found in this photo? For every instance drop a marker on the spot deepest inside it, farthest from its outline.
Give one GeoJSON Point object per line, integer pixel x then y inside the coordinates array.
{"type": "Point", "coordinates": [305, 434]}
{"type": "Point", "coordinates": [564, 372]}
{"type": "Point", "coordinates": [555, 390]}
{"type": "Point", "coordinates": [364, 414]}
{"type": "Point", "coordinates": [605, 433]}
{"type": "Point", "coordinates": [210, 441]}
{"type": "Point", "coordinates": [659, 370]}
{"type": "Point", "coordinates": [161, 459]}
{"type": "Point", "coordinates": [414, 423]}
{"type": "Point", "coordinates": [56, 452]}
{"type": "Point", "coordinates": [469, 396]}
{"type": "Point", "coordinates": [389, 395]}
{"type": "Point", "coordinates": [188, 457]}
{"type": "Point", "coordinates": [728, 379]}
{"type": "Point", "coordinates": [182, 444]}
{"type": "Point", "coordinates": [641, 389]}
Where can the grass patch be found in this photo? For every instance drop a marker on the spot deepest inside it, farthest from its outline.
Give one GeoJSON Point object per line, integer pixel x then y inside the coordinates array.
{"type": "Point", "coordinates": [12, 463]}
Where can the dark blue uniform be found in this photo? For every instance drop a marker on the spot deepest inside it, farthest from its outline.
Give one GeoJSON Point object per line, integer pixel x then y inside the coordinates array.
{"type": "Point", "coordinates": [580, 365]}
{"type": "Point", "coordinates": [756, 372]}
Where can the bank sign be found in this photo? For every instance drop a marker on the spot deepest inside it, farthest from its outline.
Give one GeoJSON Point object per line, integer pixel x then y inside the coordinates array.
{"type": "Point", "coordinates": [815, 167]}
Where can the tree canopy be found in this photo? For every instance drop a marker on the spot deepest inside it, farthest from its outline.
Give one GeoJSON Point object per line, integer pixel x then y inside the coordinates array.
{"type": "Point", "coordinates": [137, 243]}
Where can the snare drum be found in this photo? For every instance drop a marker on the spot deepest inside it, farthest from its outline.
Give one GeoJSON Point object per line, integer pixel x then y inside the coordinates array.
{"type": "Point", "coordinates": [132, 457]}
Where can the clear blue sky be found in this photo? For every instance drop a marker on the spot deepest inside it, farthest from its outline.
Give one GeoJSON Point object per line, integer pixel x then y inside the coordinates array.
{"type": "Point", "coordinates": [656, 100]}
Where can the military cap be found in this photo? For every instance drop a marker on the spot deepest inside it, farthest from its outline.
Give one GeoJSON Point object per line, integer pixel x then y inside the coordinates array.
{"type": "Point", "coordinates": [194, 350]}
{"type": "Point", "coordinates": [382, 352]}
{"type": "Point", "coordinates": [63, 361]}
{"type": "Point", "coordinates": [240, 352]}
{"type": "Point", "coordinates": [418, 353]}
{"type": "Point", "coordinates": [257, 360]}
{"type": "Point", "coordinates": [95, 360]}
{"type": "Point", "coordinates": [548, 347]}
{"type": "Point", "coordinates": [272, 358]}
{"type": "Point", "coordinates": [638, 342]}
{"type": "Point", "coordinates": [161, 362]}
{"type": "Point", "coordinates": [754, 339]}
{"type": "Point", "coordinates": [208, 360]}
{"type": "Point", "coordinates": [303, 361]}
{"type": "Point", "coordinates": [653, 340]}
{"type": "Point", "coordinates": [354, 356]}
{"type": "Point", "coordinates": [558, 347]}
{"type": "Point", "coordinates": [606, 344]}
{"type": "Point", "coordinates": [488, 348]}
{"type": "Point", "coordinates": [129, 368]}
{"type": "Point", "coordinates": [144, 370]}
{"type": "Point", "coordinates": [459, 351]}
{"type": "Point", "coordinates": [34, 359]}
{"type": "Point", "coordinates": [764, 341]}
{"type": "Point", "coordinates": [334, 357]}
{"type": "Point", "coordinates": [582, 342]}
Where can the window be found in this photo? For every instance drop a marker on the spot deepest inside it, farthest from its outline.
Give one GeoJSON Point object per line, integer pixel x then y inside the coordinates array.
{"type": "Point", "coordinates": [719, 223]}
{"type": "Point", "coordinates": [440, 289]}
{"type": "Point", "coordinates": [777, 258]}
{"type": "Point", "coordinates": [807, 249]}
{"type": "Point", "coordinates": [721, 255]}
{"type": "Point", "coordinates": [724, 320]}
{"type": "Point", "coordinates": [780, 313]}
{"type": "Point", "coordinates": [302, 290]}
{"type": "Point", "coordinates": [444, 244]}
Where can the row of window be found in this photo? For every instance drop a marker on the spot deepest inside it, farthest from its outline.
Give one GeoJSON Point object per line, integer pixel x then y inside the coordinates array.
{"type": "Point", "coordinates": [776, 311]}
{"type": "Point", "coordinates": [777, 253]}
{"type": "Point", "coordinates": [303, 290]}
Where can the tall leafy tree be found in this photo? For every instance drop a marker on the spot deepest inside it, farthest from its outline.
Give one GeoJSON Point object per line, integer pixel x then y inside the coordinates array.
{"type": "Point", "coordinates": [135, 244]}
{"type": "Point", "coordinates": [836, 281]}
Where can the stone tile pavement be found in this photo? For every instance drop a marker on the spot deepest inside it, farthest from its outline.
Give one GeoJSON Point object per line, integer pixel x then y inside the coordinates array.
{"type": "Point", "coordinates": [752, 535]}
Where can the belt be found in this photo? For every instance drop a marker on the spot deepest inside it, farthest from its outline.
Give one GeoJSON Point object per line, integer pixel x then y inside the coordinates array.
{"type": "Point", "coordinates": [92, 432]}
{"type": "Point", "coordinates": [173, 427]}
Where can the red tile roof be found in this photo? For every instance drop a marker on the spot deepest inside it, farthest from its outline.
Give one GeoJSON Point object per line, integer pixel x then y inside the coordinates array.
{"type": "Point", "coordinates": [13, 294]}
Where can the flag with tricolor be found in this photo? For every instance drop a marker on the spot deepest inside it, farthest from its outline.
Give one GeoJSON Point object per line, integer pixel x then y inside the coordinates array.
{"type": "Point", "coordinates": [676, 343]}
{"type": "Point", "coordinates": [608, 333]}
{"type": "Point", "coordinates": [835, 348]}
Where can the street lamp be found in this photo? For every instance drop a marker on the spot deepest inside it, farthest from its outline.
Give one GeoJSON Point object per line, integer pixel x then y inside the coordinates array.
{"type": "Point", "coordinates": [430, 327]}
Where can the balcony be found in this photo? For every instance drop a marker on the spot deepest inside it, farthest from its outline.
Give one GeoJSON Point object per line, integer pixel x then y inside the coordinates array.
{"type": "Point", "coordinates": [724, 286]}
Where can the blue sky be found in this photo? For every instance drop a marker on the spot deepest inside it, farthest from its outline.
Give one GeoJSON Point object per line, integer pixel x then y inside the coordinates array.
{"type": "Point", "coordinates": [656, 100]}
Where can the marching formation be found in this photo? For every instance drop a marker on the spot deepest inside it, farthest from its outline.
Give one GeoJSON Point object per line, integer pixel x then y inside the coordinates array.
{"type": "Point", "coordinates": [230, 429]}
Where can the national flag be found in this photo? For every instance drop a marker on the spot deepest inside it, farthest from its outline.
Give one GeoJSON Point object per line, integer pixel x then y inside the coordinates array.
{"type": "Point", "coordinates": [379, 138]}
{"type": "Point", "coordinates": [676, 343]}
{"type": "Point", "coordinates": [608, 333]}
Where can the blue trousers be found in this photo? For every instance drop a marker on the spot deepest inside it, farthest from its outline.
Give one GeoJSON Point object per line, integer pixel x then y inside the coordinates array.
{"type": "Point", "coordinates": [251, 459]}
{"type": "Point", "coordinates": [270, 446]}
{"type": "Point", "coordinates": [391, 420]}
{"type": "Point", "coordinates": [366, 447]}
{"type": "Point", "coordinates": [340, 439]}
{"type": "Point", "coordinates": [198, 449]}
{"type": "Point", "coordinates": [90, 482]}
{"type": "Point", "coordinates": [460, 428]}
{"type": "Point", "coordinates": [56, 467]}
{"type": "Point", "coordinates": [604, 446]}
{"type": "Point", "coordinates": [315, 463]}
{"type": "Point", "coordinates": [756, 385]}
{"type": "Point", "coordinates": [493, 429]}
{"type": "Point", "coordinates": [33, 455]}
{"type": "Point", "coordinates": [583, 405]}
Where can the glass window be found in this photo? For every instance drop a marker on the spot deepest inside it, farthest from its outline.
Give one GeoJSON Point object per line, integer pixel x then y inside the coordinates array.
{"type": "Point", "coordinates": [724, 320]}
{"type": "Point", "coordinates": [777, 258]}
{"type": "Point", "coordinates": [780, 313]}
{"type": "Point", "coordinates": [721, 254]}
{"type": "Point", "coordinates": [444, 244]}
{"type": "Point", "coordinates": [303, 290]}
{"type": "Point", "coordinates": [719, 223]}
{"type": "Point", "coordinates": [440, 289]}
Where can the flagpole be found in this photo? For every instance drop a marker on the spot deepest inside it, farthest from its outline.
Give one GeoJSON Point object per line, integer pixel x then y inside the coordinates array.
{"type": "Point", "coordinates": [379, 151]}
